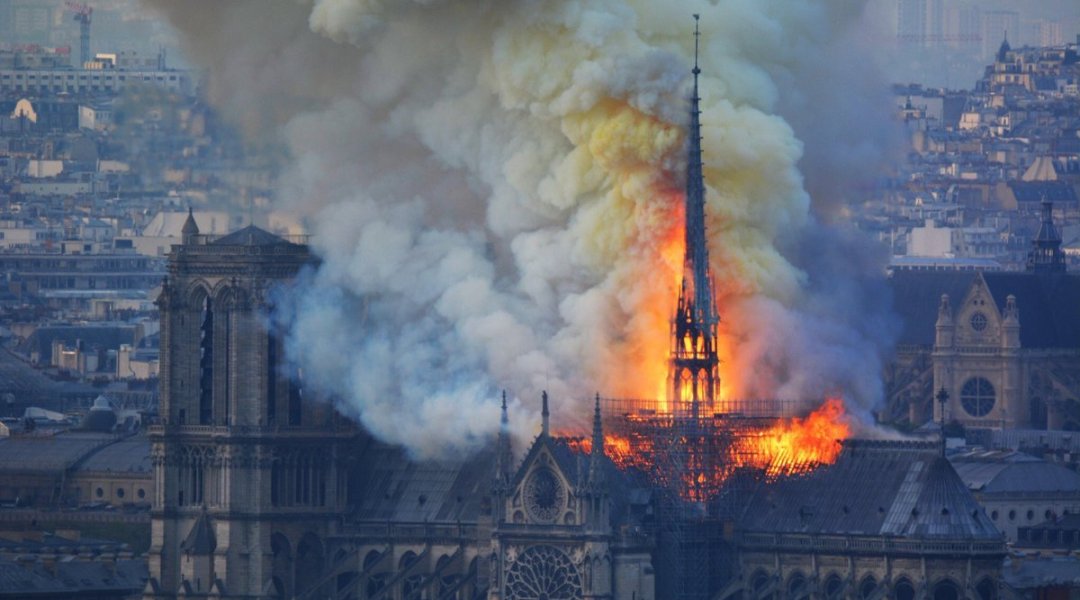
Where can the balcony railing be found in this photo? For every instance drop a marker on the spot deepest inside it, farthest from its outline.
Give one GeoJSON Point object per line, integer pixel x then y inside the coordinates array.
{"type": "Point", "coordinates": [870, 544]}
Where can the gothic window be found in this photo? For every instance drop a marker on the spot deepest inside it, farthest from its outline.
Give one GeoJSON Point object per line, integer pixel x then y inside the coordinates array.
{"type": "Point", "coordinates": [759, 581]}
{"type": "Point", "coordinates": [206, 364]}
{"type": "Point", "coordinates": [946, 590]}
{"type": "Point", "coordinates": [309, 563]}
{"type": "Point", "coordinates": [867, 587]}
{"type": "Point", "coordinates": [904, 590]}
{"type": "Point", "coordinates": [411, 587]}
{"type": "Point", "coordinates": [543, 496]}
{"type": "Point", "coordinates": [543, 573]}
{"type": "Point", "coordinates": [986, 589]}
{"type": "Point", "coordinates": [834, 587]}
{"type": "Point", "coordinates": [977, 396]}
{"type": "Point", "coordinates": [797, 588]}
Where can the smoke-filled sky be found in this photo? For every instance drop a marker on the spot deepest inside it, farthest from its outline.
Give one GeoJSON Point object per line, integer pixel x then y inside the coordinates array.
{"type": "Point", "coordinates": [495, 189]}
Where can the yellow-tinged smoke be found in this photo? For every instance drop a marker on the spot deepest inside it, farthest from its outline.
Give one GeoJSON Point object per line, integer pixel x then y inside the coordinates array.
{"type": "Point", "coordinates": [495, 190]}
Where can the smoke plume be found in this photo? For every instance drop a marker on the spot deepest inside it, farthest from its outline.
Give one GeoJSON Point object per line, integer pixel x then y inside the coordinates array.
{"type": "Point", "coordinates": [495, 191]}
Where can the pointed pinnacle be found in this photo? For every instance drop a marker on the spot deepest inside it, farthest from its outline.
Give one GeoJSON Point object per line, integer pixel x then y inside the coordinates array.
{"type": "Point", "coordinates": [544, 413]}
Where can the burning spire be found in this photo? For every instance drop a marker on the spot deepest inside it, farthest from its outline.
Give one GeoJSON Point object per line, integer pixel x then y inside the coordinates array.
{"type": "Point", "coordinates": [694, 375]}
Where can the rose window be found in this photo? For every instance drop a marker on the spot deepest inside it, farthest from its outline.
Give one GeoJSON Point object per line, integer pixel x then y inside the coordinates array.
{"type": "Point", "coordinates": [544, 496]}
{"type": "Point", "coordinates": [543, 573]}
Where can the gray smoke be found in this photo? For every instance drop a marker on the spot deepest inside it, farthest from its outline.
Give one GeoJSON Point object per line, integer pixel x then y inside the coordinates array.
{"type": "Point", "coordinates": [491, 185]}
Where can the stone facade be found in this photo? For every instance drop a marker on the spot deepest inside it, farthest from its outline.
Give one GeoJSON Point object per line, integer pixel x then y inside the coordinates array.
{"type": "Point", "coordinates": [1005, 348]}
{"type": "Point", "coordinates": [246, 469]}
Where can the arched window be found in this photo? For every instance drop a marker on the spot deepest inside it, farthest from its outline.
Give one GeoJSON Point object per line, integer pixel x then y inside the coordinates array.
{"type": "Point", "coordinates": [407, 560]}
{"type": "Point", "coordinates": [281, 564]}
{"type": "Point", "coordinates": [371, 559]}
{"type": "Point", "coordinates": [797, 588]}
{"type": "Point", "coordinates": [834, 587]}
{"type": "Point", "coordinates": [977, 396]}
{"type": "Point", "coordinates": [986, 589]}
{"type": "Point", "coordinates": [309, 563]}
{"type": "Point", "coordinates": [904, 590]}
{"type": "Point", "coordinates": [946, 590]}
{"type": "Point", "coordinates": [759, 581]}
{"type": "Point", "coordinates": [867, 586]}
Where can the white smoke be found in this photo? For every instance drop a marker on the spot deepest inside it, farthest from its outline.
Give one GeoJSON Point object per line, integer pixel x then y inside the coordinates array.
{"type": "Point", "coordinates": [490, 184]}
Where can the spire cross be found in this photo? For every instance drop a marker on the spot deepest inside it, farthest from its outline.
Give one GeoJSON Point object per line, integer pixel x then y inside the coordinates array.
{"type": "Point", "coordinates": [697, 37]}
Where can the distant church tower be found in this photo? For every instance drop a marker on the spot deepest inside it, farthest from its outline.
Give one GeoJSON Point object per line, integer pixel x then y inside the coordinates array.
{"type": "Point", "coordinates": [1046, 255]}
{"type": "Point", "coordinates": [694, 371]}
{"type": "Point", "coordinates": [247, 480]}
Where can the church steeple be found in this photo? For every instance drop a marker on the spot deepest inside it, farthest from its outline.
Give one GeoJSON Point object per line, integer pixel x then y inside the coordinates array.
{"type": "Point", "coordinates": [694, 376]}
{"type": "Point", "coordinates": [596, 455]}
{"type": "Point", "coordinates": [1004, 49]}
{"type": "Point", "coordinates": [190, 228]}
{"type": "Point", "coordinates": [1046, 255]}
{"type": "Point", "coordinates": [503, 454]}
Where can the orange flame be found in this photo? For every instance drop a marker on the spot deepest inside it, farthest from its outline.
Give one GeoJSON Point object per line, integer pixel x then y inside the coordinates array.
{"type": "Point", "coordinates": [703, 461]}
{"type": "Point", "coordinates": [791, 446]}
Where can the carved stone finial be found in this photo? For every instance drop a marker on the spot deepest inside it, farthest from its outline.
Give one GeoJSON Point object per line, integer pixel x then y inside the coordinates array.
{"type": "Point", "coordinates": [944, 309]}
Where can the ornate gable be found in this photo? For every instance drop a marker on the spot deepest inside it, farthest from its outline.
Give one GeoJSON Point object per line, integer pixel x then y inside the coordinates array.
{"type": "Point", "coordinates": [543, 493]}
{"type": "Point", "coordinates": [978, 321]}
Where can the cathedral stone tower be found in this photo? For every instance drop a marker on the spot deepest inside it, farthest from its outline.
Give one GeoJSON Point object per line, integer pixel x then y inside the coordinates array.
{"type": "Point", "coordinates": [247, 480]}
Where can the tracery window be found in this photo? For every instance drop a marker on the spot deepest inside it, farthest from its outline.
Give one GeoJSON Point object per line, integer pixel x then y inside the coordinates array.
{"type": "Point", "coordinates": [543, 573]}
{"type": "Point", "coordinates": [544, 495]}
{"type": "Point", "coordinates": [977, 396]}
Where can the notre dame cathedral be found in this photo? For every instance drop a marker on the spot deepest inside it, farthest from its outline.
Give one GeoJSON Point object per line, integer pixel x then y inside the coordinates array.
{"type": "Point", "coordinates": [262, 492]}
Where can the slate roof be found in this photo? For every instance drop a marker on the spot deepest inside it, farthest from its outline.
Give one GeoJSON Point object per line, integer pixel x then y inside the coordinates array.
{"type": "Point", "coordinates": [131, 455]}
{"type": "Point", "coordinates": [1034, 192]}
{"type": "Point", "coordinates": [875, 488]}
{"type": "Point", "coordinates": [19, 378]}
{"type": "Point", "coordinates": [48, 453]}
{"type": "Point", "coordinates": [395, 488]}
{"type": "Point", "coordinates": [201, 539]}
{"type": "Point", "coordinates": [399, 489]}
{"type": "Point", "coordinates": [73, 578]}
{"type": "Point", "coordinates": [250, 236]}
{"type": "Point", "coordinates": [1047, 304]}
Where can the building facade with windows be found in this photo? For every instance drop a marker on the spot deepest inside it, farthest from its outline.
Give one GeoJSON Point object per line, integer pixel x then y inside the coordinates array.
{"type": "Point", "coordinates": [1003, 347]}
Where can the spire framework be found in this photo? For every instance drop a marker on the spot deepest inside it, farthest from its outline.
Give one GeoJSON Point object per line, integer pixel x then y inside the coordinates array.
{"type": "Point", "coordinates": [694, 372]}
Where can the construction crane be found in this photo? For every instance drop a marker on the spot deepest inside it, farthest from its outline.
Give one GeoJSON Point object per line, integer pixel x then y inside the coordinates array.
{"type": "Point", "coordinates": [82, 15]}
